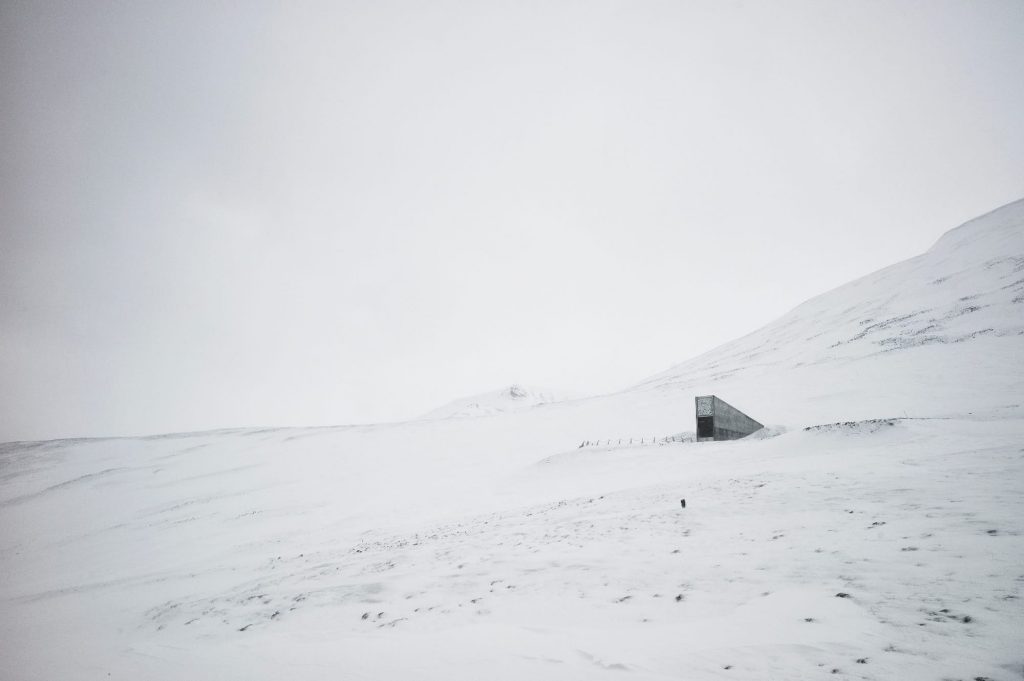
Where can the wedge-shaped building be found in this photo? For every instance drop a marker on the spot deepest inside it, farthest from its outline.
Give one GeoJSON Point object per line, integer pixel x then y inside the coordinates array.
{"type": "Point", "coordinates": [718, 420]}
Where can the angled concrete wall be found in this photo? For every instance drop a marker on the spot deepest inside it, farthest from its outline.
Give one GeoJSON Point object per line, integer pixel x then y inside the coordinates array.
{"type": "Point", "coordinates": [719, 420]}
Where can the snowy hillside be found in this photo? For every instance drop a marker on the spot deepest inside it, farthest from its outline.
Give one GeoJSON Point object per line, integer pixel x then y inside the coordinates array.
{"type": "Point", "coordinates": [940, 332]}
{"type": "Point", "coordinates": [876, 531]}
{"type": "Point", "coordinates": [512, 398]}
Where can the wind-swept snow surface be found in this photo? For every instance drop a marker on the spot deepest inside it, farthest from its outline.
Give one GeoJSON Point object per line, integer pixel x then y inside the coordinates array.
{"type": "Point", "coordinates": [937, 332]}
{"type": "Point", "coordinates": [876, 531]}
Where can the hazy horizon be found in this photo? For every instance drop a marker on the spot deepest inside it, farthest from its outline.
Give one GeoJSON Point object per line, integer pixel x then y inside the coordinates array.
{"type": "Point", "coordinates": [322, 214]}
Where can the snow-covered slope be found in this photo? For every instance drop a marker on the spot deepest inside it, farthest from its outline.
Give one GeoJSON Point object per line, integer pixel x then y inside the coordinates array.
{"type": "Point", "coordinates": [941, 332]}
{"type": "Point", "coordinates": [512, 398]}
{"type": "Point", "coordinates": [882, 547]}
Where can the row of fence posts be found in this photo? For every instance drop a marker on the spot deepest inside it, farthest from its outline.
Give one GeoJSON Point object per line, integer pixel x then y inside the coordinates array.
{"type": "Point", "coordinates": [619, 441]}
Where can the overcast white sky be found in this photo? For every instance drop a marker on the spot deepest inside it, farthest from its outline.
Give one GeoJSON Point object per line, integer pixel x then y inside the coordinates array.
{"type": "Point", "coordinates": [227, 214]}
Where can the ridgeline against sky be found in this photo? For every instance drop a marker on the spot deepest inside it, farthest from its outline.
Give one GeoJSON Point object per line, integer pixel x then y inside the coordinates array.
{"type": "Point", "coordinates": [333, 213]}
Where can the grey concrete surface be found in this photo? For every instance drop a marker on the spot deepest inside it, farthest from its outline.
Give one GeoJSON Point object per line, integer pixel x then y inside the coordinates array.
{"type": "Point", "coordinates": [719, 420]}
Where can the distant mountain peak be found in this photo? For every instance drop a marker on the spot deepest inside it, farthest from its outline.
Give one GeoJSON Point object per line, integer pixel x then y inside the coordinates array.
{"type": "Point", "coordinates": [516, 391]}
{"type": "Point", "coordinates": [513, 398]}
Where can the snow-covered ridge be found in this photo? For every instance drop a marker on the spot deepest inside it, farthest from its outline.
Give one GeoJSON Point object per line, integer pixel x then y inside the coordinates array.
{"type": "Point", "coordinates": [876, 533]}
{"type": "Point", "coordinates": [512, 398]}
{"type": "Point", "coordinates": [966, 291]}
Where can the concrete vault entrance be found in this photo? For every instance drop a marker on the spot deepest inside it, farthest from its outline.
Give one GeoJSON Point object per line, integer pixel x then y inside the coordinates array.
{"type": "Point", "coordinates": [718, 420]}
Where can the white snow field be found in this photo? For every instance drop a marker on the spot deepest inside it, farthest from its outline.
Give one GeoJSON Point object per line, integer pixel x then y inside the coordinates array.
{"type": "Point", "coordinates": [887, 545]}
